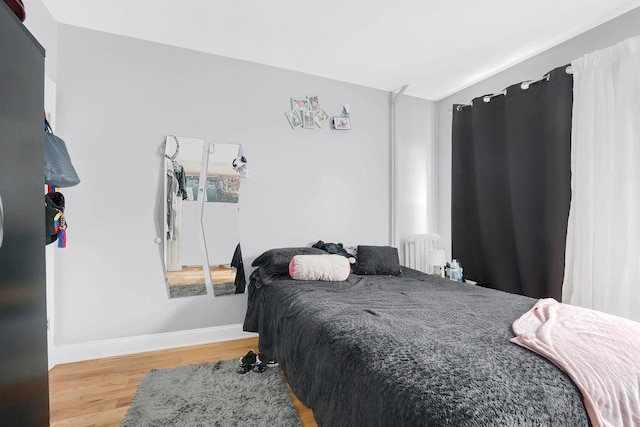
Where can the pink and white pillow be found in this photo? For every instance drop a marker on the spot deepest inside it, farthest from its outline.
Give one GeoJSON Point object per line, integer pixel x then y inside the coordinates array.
{"type": "Point", "coordinates": [330, 267]}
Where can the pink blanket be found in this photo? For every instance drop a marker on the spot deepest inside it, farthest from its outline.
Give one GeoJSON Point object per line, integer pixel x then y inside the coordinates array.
{"type": "Point", "coordinates": [600, 352]}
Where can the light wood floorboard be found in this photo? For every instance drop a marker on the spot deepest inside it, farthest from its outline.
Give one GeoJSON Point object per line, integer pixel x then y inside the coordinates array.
{"type": "Point", "coordinates": [97, 393]}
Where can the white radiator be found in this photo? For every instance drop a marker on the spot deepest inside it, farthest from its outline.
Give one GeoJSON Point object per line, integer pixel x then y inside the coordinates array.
{"type": "Point", "coordinates": [422, 252]}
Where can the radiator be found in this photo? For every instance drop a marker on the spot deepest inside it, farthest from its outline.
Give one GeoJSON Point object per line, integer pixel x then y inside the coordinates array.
{"type": "Point", "coordinates": [422, 252]}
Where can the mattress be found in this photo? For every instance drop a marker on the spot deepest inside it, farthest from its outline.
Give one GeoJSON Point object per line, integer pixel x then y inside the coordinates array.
{"type": "Point", "coordinates": [412, 350]}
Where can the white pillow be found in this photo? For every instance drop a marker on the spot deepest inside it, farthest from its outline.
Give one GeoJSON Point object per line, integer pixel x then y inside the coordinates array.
{"type": "Point", "coordinates": [330, 267]}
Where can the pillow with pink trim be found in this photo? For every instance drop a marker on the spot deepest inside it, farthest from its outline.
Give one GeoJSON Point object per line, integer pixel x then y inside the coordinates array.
{"type": "Point", "coordinates": [275, 262]}
{"type": "Point", "coordinates": [329, 268]}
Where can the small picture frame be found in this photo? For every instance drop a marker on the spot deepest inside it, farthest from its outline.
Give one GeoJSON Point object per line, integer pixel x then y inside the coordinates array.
{"type": "Point", "coordinates": [312, 103]}
{"type": "Point", "coordinates": [321, 117]}
{"type": "Point", "coordinates": [307, 120]}
{"type": "Point", "coordinates": [300, 104]}
{"type": "Point", "coordinates": [345, 110]}
{"type": "Point", "coordinates": [294, 118]}
{"type": "Point", "coordinates": [341, 123]}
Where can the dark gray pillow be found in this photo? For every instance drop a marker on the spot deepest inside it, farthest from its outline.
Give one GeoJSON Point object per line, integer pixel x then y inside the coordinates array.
{"type": "Point", "coordinates": [378, 260]}
{"type": "Point", "coordinates": [275, 262]}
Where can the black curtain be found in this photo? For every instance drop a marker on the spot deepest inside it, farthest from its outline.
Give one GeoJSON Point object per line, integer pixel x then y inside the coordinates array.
{"type": "Point", "coordinates": [511, 186]}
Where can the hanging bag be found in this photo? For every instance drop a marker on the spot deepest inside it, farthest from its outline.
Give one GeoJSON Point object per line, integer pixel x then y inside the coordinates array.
{"type": "Point", "coordinates": [55, 222]}
{"type": "Point", "coordinates": [58, 169]}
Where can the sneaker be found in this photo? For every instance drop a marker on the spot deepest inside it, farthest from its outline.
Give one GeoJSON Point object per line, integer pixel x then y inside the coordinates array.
{"type": "Point", "coordinates": [243, 369]}
{"type": "Point", "coordinates": [249, 358]}
{"type": "Point", "coordinates": [259, 368]}
{"type": "Point", "coordinates": [247, 362]}
{"type": "Point", "coordinates": [270, 362]}
{"type": "Point", "coordinates": [263, 363]}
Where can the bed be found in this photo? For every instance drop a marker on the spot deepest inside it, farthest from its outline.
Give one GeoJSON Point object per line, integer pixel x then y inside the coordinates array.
{"type": "Point", "coordinates": [406, 350]}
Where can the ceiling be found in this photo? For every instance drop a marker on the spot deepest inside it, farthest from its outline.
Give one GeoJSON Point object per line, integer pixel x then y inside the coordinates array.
{"type": "Point", "coordinates": [435, 47]}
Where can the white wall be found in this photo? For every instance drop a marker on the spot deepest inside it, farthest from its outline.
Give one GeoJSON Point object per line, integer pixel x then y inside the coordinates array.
{"type": "Point", "coordinates": [603, 36]}
{"type": "Point", "coordinates": [45, 29]}
{"type": "Point", "coordinates": [117, 99]}
{"type": "Point", "coordinates": [416, 169]}
{"type": "Point", "coordinates": [221, 231]}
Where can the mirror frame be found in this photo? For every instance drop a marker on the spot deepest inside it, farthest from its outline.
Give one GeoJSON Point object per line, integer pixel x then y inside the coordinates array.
{"type": "Point", "coordinates": [207, 150]}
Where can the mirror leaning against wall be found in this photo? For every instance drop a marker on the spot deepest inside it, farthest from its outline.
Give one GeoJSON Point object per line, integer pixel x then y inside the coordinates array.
{"type": "Point", "coordinates": [201, 246]}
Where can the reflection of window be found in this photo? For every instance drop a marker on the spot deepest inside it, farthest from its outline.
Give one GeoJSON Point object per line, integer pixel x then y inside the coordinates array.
{"type": "Point", "coordinates": [192, 186]}
{"type": "Point", "coordinates": [212, 194]}
{"type": "Point", "coordinates": [219, 188]}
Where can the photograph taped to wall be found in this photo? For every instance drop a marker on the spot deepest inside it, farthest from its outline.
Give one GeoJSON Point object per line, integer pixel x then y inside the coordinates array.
{"type": "Point", "coordinates": [313, 103]}
{"type": "Point", "coordinates": [300, 104]}
{"type": "Point", "coordinates": [321, 117]}
{"type": "Point", "coordinates": [307, 120]}
{"type": "Point", "coordinates": [341, 123]}
{"type": "Point", "coordinates": [294, 118]}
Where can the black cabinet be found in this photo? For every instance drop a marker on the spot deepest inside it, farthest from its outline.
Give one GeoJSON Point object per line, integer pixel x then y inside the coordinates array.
{"type": "Point", "coordinates": [24, 386]}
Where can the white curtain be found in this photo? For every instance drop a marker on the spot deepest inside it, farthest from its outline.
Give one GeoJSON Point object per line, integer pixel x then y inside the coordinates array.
{"type": "Point", "coordinates": [602, 263]}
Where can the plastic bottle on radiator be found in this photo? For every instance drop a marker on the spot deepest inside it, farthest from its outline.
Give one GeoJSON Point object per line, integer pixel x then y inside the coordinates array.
{"type": "Point", "coordinates": [453, 270]}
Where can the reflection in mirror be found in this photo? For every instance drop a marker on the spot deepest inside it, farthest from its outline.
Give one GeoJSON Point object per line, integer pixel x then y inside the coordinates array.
{"type": "Point", "coordinates": [220, 216]}
{"type": "Point", "coordinates": [202, 247]}
{"type": "Point", "coordinates": [185, 274]}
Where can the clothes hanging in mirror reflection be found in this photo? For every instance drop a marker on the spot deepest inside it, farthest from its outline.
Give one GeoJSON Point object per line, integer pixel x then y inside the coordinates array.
{"type": "Point", "coordinates": [176, 185]}
{"type": "Point", "coordinates": [240, 281]}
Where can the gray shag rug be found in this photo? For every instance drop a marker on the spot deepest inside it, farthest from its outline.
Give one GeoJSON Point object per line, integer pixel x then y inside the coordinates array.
{"type": "Point", "coordinates": [187, 290]}
{"type": "Point", "coordinates": [212, 394]}
{"type": "Point", "coordinates": [221, 289]}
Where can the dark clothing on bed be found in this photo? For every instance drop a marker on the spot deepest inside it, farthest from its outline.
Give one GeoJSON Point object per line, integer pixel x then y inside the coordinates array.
{"type": "Point", "coordinates": [332, 248]}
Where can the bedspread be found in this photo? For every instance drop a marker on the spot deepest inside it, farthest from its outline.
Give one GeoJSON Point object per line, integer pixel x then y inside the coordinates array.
{"type": "Point", "coordinates": [414, 350]}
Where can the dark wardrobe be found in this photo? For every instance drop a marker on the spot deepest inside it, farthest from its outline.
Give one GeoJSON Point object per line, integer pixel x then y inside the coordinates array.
{"type": "Point", "coordinates": [24, 385]}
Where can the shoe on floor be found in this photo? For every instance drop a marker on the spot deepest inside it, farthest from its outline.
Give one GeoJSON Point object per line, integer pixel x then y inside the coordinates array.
{"type": "Point", "coordinates": [265, 359]}
{"type": "Point", "coordinates": [247, 362]}
{"type": "Point", "coordinates": [249, 359]}
{"type": "Point", "coordinates": [243, 369]}
{"type": "Point", "coordinates": [260, 367]}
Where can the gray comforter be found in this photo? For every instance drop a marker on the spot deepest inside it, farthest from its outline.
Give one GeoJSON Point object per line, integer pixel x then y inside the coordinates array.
{"type": "Point", "coordinates": [414, 350]}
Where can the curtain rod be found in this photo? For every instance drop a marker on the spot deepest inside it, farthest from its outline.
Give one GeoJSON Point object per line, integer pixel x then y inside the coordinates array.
{"type": "Point", "coordinates": [524, 86]}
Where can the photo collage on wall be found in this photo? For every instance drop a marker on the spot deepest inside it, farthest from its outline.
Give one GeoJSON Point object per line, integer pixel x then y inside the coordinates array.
{"type": "Point", "coordinates": [306, 113]}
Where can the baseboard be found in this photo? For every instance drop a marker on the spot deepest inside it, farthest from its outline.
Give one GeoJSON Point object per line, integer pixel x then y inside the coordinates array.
{"type": "Point", "coordinates": [144, 343]}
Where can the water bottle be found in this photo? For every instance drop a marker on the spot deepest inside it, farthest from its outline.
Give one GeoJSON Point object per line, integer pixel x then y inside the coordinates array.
{"type": "Point", "coordinates": [453, 270]}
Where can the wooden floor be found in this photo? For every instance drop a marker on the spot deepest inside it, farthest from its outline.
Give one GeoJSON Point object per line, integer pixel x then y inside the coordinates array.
{"type": "Point", "coordinates": [98, 392]}
{"type": "Point", "coordinates": [195, 275]}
